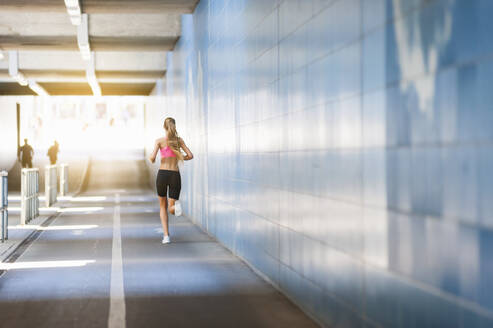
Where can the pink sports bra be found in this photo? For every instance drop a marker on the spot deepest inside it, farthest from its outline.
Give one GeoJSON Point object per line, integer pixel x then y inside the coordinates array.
{"type": "Point", "coordinates": [167, 152]}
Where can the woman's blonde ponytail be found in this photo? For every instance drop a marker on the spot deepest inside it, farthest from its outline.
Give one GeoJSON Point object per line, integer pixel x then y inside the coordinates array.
{"type": "Point", "coordinates": [173, 138]}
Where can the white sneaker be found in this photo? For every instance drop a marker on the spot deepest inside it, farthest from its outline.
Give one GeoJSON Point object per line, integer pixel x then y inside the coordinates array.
{"type": "Point", "coordinates": [178, 210]}
{"type": "Point", "coordinates": [166, 240]}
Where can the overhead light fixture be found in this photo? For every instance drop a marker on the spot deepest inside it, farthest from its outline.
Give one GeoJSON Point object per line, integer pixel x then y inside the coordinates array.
{"type": "Point", "coordinates": [91, 75]}
{"type": "Point", "coordinates": [14, 68]}
{"type": "Point", "coordinates": [83, 39]}
{"type": "Point", "coordinates": [85, 52]}
{"type": "Point", "coordinates": [20, 78]}
{"type": "Point", "coordinates": [96, 89]}
{"type": "Point", "coordinates": [74, 12]}
{"type": "Point", "coordinates": [40, 91]}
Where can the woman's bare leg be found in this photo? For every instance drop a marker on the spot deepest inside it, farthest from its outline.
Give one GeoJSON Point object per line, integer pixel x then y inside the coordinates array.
{"type": "Point", "coordinates": [163, 214]}
{"type": "Point", "coordinates": [172, 205]}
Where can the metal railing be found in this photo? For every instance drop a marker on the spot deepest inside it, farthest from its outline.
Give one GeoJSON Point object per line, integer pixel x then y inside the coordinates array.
{"type": "Point", "coordinates": [4, 202]}
{"type": "Point", "coordinates": [29, 195]}
{"type": "Point", "coordinates": [50, 184]}
{"type": "Point", "coordinates": [63, 179]}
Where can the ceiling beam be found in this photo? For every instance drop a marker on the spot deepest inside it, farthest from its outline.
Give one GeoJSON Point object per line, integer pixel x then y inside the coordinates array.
{"type": "Point", "coordinates": [97, 43]}
{"type": "Point", "coordinates": [79, 89]}
{"type": "Point", "coordinates": [105, 61]}
{"type": "Point", "coordinates": [133, 43]}
{"type": "Point", "coordinates": [118, 89]}
{"type": "Point", "coordinates": [130, 74]}
{"type": "Point", "coordinates": [80, 76]}
{"type": "Point", "coordinates": [107, 6]}
{"type": "Point", "coordinates": [66, 89]}
{"type": "Point", "coordinates": [135, 25]}
{"type": "Point", "coordinates": [15, 89]}
{"type": "Point", "coordinates": [19, 42]}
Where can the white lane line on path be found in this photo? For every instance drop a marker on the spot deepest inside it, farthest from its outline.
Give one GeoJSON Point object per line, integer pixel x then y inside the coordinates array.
{"type": "Point", "coordinates": [116, 316]}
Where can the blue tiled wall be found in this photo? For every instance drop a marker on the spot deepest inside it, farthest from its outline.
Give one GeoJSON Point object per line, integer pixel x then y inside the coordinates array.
{"type": "Point", "coordinates": [344, 148]}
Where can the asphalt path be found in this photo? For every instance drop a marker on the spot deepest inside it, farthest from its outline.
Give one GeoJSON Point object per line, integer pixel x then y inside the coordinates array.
{"type": "Point", "coordinates": [100, 263]}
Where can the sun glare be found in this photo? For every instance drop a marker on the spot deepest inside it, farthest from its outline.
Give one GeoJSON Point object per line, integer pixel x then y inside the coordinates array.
{"type": "Point", "coordinates": [84, 125]}
{"type": "Point", "coordinates": [67, 227]}
{"type": "Point", "coordinates": [80, 209]}
{"type": "Point", "coordinates": [44, 264]}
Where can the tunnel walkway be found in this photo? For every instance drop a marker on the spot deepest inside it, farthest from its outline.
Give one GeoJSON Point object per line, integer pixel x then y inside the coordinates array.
{"type": "Point", "coordinates": [71, 273]}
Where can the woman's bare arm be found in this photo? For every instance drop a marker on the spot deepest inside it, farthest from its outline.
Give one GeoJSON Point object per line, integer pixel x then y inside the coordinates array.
{"type": "Point", "coordinates": [189, 155]}
{"type": "Point", "coordinates": [153, 155]}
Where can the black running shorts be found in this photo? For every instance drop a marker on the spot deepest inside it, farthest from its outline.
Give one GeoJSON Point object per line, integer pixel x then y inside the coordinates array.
{"type": "Point", "coordinates": [168, 182]}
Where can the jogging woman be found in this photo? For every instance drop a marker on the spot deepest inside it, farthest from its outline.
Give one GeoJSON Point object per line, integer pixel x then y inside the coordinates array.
{"type": "Point", "coordinates": [168, 181]}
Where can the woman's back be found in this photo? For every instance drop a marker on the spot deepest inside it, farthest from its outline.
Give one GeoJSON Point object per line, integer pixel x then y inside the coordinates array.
{"type": "Point", "coordinates": [169, 161]}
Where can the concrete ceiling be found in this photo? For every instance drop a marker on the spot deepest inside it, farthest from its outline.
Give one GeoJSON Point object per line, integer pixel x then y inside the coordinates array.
{"type": "Point", "coordinates": [130, 39]}
{"type": "Point", "coordinates": [104, 6]}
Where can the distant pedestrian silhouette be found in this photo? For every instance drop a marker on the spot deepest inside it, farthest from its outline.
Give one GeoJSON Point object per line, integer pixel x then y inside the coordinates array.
{"type": "Point", "coordinates": [53, 153]}
{"type": "Point", "coordinates": [26, 154]}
